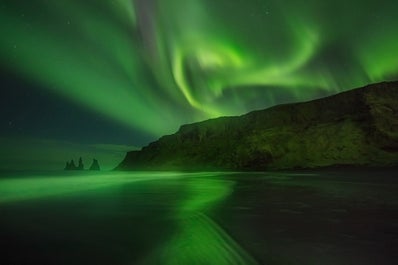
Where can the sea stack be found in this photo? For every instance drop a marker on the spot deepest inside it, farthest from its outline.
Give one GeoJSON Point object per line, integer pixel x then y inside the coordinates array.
{"type": "Point", "coordinates": [95, 165]}
{"type": "Point", "coordinates": [71, 165]}
{"type": "Point", "coordinates": [81, 165]}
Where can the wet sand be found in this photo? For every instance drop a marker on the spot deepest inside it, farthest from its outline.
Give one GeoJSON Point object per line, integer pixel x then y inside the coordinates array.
{"type": "Point", "coordinates": [201, 218]}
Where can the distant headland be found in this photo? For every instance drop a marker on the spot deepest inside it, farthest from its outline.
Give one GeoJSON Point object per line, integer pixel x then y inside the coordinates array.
{"type": "Point", "coordinates": [70, 165]}
{"type": "Point", "coordinates": [356, 128]}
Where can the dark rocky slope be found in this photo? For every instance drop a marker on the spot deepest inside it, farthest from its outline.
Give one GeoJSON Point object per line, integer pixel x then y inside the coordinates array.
{"type": "Point", "coordinates": [354, 128]}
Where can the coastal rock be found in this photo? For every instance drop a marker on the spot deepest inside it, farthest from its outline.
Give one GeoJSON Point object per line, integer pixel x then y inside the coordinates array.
{"type": "Point", "coordinates": [95, 165]}
{"type": "Point", "coordinates": [70, 165]}
{"type": "Point", "coordinates": [81, 165]}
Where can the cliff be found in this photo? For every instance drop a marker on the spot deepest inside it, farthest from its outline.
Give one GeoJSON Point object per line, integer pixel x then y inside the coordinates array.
{"type": "Point", "coordinates": [354, 128]}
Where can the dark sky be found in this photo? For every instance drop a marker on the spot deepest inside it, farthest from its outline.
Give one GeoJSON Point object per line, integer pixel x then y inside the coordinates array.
{"type": "Point", "coordinates": [41, 130]}
{"type": "Point", "coordinates": [97, 78]}
{"type": "Point", "coordinates": [31, 111]}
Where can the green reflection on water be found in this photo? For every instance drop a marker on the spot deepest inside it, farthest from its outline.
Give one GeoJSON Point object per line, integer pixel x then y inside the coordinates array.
{"type": "Point", "coordinates": [197, 239]}
{"type": "Point", "coordinates": [13, 189]}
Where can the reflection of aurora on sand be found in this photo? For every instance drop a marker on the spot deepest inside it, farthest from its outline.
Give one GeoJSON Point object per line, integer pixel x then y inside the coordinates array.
{"type": "Point", "coordinates": [166, 218]}
{"type": "Point", "coordinates": [198, 239]}
{"type": "Point", "coordinates": [202, 241]}
{"type": "Point", "coordinates": [46, 185]}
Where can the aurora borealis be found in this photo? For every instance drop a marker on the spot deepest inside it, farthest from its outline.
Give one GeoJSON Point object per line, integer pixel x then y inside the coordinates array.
{"type": "Point", "coordinates": [151, 65]}
{"type": "Point", "coordinates": [98, 78]}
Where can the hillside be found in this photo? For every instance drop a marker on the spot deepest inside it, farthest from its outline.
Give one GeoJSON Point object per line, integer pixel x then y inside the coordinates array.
{"type": "Point", "coordinates": [354, 128]}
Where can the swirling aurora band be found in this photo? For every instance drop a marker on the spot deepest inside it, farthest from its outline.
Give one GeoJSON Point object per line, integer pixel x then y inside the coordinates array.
{"type": "Point", "coordinates": [153, 65]}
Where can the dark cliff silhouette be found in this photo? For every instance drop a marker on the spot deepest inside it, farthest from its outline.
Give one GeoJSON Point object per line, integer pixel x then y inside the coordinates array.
{"type": "Point", "coordinates": [354, 128]}
{"type": "Point", "coordinates": [95, 165]}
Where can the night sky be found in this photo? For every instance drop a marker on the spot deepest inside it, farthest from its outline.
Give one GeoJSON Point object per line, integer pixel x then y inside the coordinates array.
{"type": "Point", "coordinates": [95, 78]}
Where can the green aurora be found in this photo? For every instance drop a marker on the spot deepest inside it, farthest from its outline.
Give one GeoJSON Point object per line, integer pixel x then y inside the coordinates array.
{"type": "Point", "coordinates": [153, 65]}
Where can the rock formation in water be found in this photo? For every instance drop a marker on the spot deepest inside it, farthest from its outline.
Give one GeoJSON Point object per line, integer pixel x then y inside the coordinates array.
{"type": "Point", "coordinates": [95, 165]}
{"type": "Point", "coordinates": [80, 166]}
{"type": "Point", "coordinates": [70, 165]}
{"type": "Point", "coordinates": [67, 166]}
{"type": "Point", "coordinates": [354, 128]}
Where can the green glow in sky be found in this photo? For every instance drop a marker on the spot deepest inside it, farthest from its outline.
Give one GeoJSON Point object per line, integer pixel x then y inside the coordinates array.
{"type": "Point", "coordinates": [153, 65]}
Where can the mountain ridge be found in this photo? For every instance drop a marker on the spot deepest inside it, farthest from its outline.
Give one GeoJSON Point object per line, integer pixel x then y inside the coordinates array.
{"type": "Point", "coordinates": [358, 127]}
